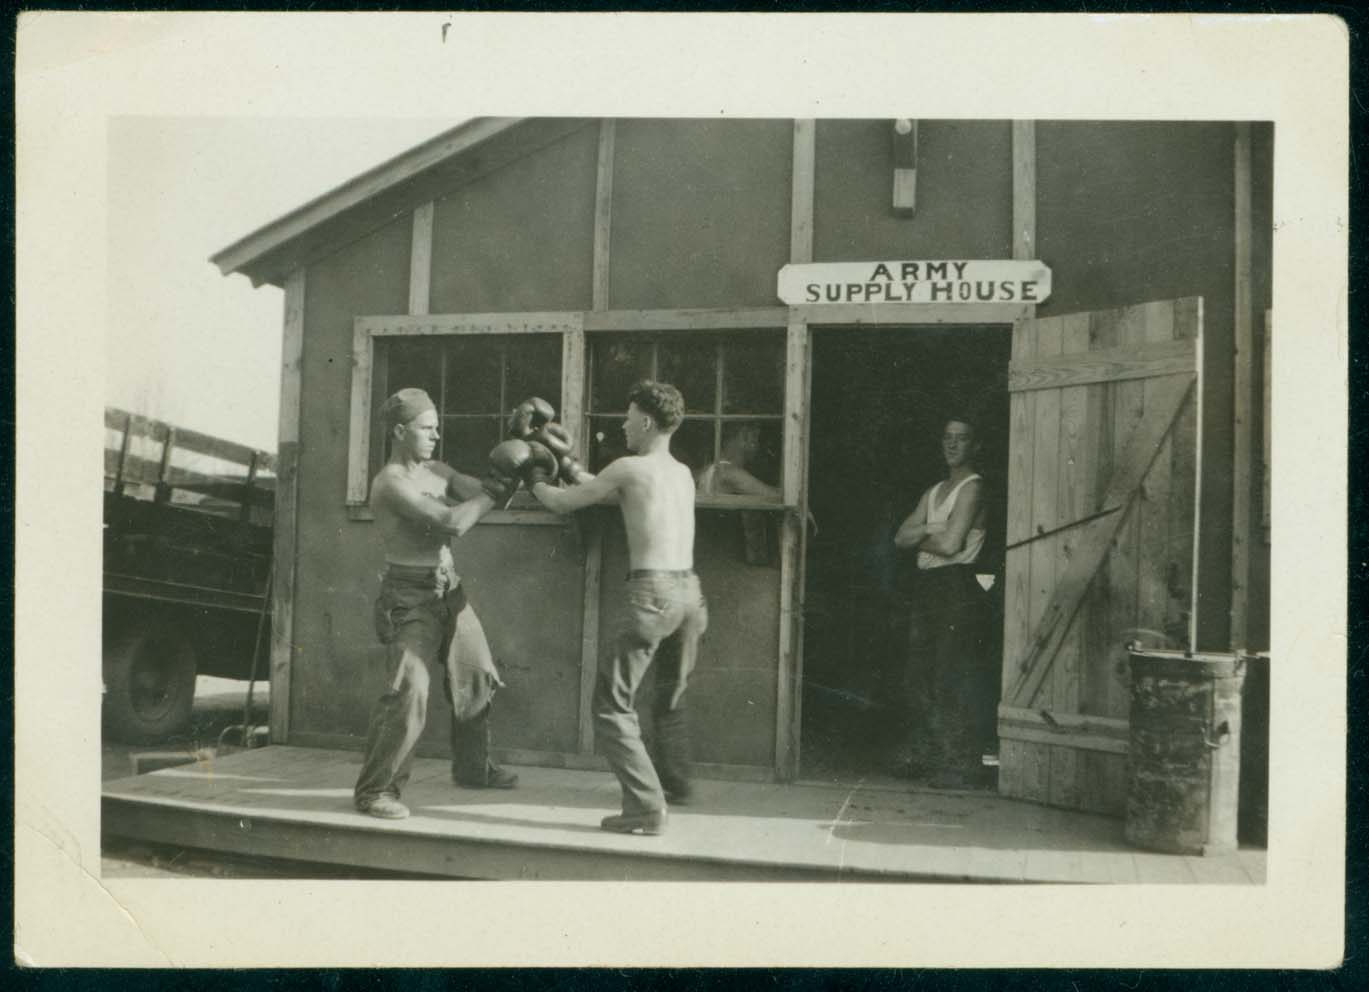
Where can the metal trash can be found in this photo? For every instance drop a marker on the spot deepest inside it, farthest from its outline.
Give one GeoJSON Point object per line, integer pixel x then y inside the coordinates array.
{"type": "Point", "coordinates": [1184, 761]}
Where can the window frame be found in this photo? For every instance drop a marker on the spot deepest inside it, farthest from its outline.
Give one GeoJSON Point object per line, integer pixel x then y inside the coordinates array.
{"type": "Point", "coordinates": [721, 338]}
{"type": "Point", "coordinates": [362, 430]}
{"type": "Point", "coordinates": [574, 327]}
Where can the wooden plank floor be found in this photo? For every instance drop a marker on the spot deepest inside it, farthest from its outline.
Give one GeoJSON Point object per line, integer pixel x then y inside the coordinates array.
{"type": "Point", "coordinates": [290, 802]}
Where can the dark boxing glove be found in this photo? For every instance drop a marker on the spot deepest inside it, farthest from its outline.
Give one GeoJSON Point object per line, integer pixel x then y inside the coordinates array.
{"type": "Point", "coordinates": [557, 440]}
{"type": "Point", "coordinates": [529, 416]}
{"type": "Point", "coordinates": [506, 465]}
{"type": "Point", "coordinates": [498, 489]}
{"type": "Point", "coordinates": [541, 465]}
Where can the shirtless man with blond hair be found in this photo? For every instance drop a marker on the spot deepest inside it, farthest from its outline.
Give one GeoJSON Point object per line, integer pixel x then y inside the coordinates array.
{"type": "Point", "coordinates": [666, 612]}
{"type": "Point", "coordinates": [421, 613]}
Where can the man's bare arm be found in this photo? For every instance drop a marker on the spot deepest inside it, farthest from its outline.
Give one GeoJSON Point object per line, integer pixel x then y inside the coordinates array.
{"type": "Point", "coordinates": [601, 488]}
{"type": "Point", "coordinates": [911, 532]}
{"type": "Point", "coordinates": [739, 480]}
{"type": "Point", "coordinates": [460, 486]}
{"type": "Point", "coordinates": [406, 501]}
{"type": "Point", "coordinates": [951, 540]}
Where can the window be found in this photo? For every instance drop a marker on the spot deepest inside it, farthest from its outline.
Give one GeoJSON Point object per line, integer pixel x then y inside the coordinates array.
{"type": "Point", "coordinates": [474, 379]}
{"type": "Point", "coordinates": [733, 386]}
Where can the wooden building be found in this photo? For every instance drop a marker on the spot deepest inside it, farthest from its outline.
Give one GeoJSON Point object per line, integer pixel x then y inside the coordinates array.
{"type": "Point", "coordinates": [1123, 413]}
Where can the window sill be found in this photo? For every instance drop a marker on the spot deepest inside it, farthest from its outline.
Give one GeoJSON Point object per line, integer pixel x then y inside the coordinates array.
{"type": "Point", "coordinates": [544, 518]}
{"type": "Point", "coordinates": [739, 503]}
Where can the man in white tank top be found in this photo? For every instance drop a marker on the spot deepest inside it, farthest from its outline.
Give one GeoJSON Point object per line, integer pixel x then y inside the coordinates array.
{"type": "Point", "coordinates": [950, 683]}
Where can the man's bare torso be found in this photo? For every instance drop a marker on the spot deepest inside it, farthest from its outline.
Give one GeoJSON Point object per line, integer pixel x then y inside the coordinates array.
{"type": "Point", "coordinates": [658, 512]}
{"type": "Point", "coordinates": [408, 542]}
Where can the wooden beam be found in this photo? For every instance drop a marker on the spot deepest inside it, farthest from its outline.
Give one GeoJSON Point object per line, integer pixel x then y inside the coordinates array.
{"type": "Point", "coordinates": [421, 260]}
{"type": "Point", "coordinates": [1024, 189]}
{"type": "Point", "coordinates": [1244, 399]}
{"type": "Point", "coordinates": [603, 215]}
{"type": "Point", "coordinates": [123, 451]}
{"type": "Point", "coordinates": [1266, 426]}
{"type": "Point", "coordinates": [188, 440]}
{"type": "Point", "coordinates": [862, 314]}
{"type": "Point", "coordinates": [797, 362]}
{"type": "Point", "coordinates": [573, 385]}
{"type": "Point", "coordinates": [246, 512]}
{"type": "Point", "coordinates": [1090, 733]}
{"type": "Point", "coordinates": [1189, 313]}
{"type": "Point", "coordinates": [792, 542]}
{"type": "Point", "coordinates": [589, 632]}
{"type": "Point", "coordinates": [702, 319]}
{"type": "Point", "coordinates": [359, 416]}
{"type": "Point", "coordinates": [1107, 365]}
{"type": "Point", "coordinates": [163, 492]}
{"type": "Point", "coordinates": [575, 369]}
{"type": "Point", "coordinates": [1135, 461]}
{"type": "Point", "coordinates": [285, 519]}
{"type": "Point", "coordinates": [801, 192]}
{"type": "Point", "coordinates": [361, 513]}
{"type": "Point", "coordinates": [540, 322]}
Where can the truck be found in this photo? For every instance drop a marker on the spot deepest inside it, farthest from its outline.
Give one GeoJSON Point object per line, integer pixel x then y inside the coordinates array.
{"type": "Point", "coordinates": [186, 570]}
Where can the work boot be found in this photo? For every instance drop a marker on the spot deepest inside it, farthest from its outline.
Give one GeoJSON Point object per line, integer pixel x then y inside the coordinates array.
{"type": "Point", "coordinates": [471, 764]}
{"type": "Point", "coordinates": [650, 823]}
{"type": "Point", "coordinates": [493, 778]}
{"type": "Point", "coordinates": [385, 807]}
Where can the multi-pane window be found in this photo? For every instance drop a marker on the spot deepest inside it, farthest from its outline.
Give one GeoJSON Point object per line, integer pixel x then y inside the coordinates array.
{"type": "Point", "coordinates": [474, 380]}
{"type": "Point", "coordinates": [730, 382]}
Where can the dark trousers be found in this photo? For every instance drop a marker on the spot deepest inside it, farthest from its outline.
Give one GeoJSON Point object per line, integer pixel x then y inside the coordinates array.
{"type": "Point", "coordinates": [951, 681]}
{"type": "Point", "coordinates": [416, 617]}
{"type": "Point", "coordinates": [666, 616]}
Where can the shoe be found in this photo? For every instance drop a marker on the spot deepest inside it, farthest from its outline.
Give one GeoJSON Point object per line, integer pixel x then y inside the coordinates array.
{"type": "Point", "coordinates": [651, 823]}
{"type": "Point", "coordinates": [494, 778]}
{"type": "Point", "coordinates": [679, 793]}
{"type": "Point", "coordinates": [385, 807]}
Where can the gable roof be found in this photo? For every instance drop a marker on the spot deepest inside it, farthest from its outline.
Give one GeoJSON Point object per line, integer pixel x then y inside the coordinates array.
{"type": "Point", "coordinates": [372, 199]}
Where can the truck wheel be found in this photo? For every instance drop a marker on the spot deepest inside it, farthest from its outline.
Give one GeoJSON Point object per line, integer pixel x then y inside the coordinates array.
{"type": "Point", "coordinates": [149, 684]}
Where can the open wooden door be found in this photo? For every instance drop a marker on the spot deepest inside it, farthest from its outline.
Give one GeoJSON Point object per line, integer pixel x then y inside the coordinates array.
{"type": "Point", "coordinates": [1102, 528]}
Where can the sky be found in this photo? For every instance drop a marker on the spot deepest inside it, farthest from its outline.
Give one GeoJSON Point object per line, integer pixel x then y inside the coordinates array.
{"type": "Point", "coordinates": [183, 342]}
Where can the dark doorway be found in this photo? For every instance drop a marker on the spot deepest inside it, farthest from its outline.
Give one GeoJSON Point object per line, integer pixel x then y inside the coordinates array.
{"type": "Point", "coordinates": [879, 401]}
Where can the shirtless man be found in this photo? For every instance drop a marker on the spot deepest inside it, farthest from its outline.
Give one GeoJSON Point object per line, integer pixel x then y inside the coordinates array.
{"type": "Point", "coordinates": [666, 612]}
{"type": "Point", "coordinates": [420, 505]}
{"type": "Point", "coordinates": [729, 474]}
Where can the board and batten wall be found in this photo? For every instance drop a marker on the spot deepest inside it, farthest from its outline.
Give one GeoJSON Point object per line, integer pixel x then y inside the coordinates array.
{"type": "Point", "coordinates": [518, 239]}
{"type": "Point", "coordinates": [699, 214]}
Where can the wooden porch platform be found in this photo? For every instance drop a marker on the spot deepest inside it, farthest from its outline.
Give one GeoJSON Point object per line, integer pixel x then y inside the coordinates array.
{"type": "Point", "coordinates": [295, 803]}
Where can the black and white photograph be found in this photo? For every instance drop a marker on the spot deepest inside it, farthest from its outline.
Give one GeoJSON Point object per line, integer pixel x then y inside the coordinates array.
{"type": "Point", "coordinates": [522, 502]}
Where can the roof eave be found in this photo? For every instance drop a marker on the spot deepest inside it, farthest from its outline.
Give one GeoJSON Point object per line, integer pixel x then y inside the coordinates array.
{"type": "Point", "coordinates": [259, 254]}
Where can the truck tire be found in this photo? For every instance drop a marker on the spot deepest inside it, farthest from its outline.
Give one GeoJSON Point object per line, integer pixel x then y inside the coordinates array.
{"type": "Point", "coordinates": [149, 675]}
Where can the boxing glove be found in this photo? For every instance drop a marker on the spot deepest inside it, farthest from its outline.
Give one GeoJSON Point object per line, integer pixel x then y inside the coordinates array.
{"type": "Point", "coordinates": [557, 440]}
{"type": "Point", "coordinates": [529, 416]}
{"type": "Point", "coordinates": [541, 465]}
{"type": "Point", "coordinates": [498, 489]}
{"type": "Point", "coordinates": [506, 464]}
{"type": "Point", "coordinates": [572, 469]}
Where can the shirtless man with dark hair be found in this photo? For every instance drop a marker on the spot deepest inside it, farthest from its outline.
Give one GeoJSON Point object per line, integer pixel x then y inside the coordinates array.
{"type": "Point", "coordinates": [666, 611]}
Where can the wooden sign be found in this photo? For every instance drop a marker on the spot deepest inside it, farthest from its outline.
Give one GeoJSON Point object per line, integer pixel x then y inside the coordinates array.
{"type": "Point", "coordinates": [924, 281]}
